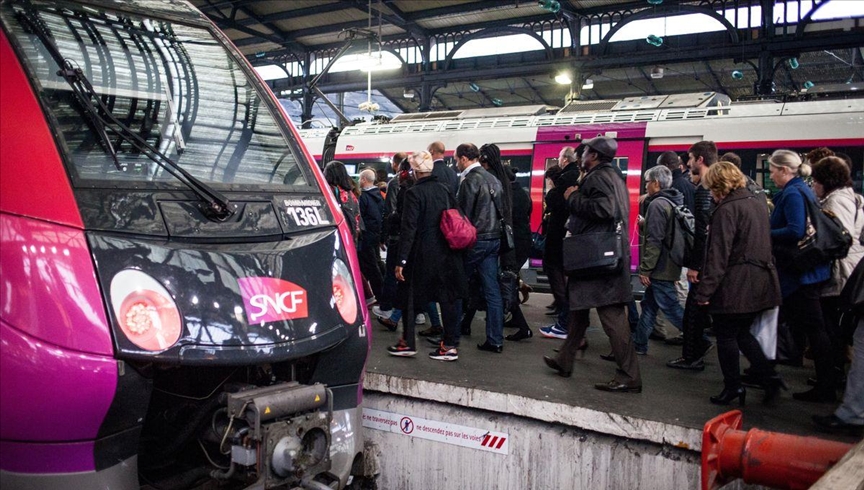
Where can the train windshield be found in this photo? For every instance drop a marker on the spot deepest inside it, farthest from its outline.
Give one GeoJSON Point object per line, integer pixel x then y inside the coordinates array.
{"type": "Point", "coordinates": [166, 85]}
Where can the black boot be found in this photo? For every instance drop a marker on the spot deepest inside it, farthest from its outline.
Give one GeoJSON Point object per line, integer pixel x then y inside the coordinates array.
{"type": "Point", "coordinates": [773, 385]}
{"type": "Point", "coordinates": [727, 395]}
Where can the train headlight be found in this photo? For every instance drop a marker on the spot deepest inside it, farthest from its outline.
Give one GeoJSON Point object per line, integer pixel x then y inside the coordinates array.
{"type": "Point", "coordinates": [344, 295]}
{"type": "Point", "coordinates": [145, 311]}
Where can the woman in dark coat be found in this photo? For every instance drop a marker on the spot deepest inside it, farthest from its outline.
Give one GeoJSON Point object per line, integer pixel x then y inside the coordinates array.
{"type": "Point", "coordinates": [739, 280]}
{"type": "Point", "coordinates": [801, 308]}
{"type": "Point", "coordinates": [347, 194]}
{"type": "Point", "coordinates": [428, 270]}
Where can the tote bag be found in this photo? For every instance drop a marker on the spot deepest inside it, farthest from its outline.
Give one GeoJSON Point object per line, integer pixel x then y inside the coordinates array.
{"type": "Point", "coordinates": [764, 328]}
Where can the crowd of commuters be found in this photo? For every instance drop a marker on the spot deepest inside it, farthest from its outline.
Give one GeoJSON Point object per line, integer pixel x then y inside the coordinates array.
{"type": "Point", "coordinates": [729, 282]}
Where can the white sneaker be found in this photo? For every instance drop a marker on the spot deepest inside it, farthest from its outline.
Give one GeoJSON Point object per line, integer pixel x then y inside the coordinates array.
{"type": "Point", "coordinates": [420, 319]}
{"type": "Point", "coordinates": [377, 311]}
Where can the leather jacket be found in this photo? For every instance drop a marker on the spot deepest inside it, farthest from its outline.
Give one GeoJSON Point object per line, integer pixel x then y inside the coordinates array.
{"type": "Point", "coordinates": [475, 197]}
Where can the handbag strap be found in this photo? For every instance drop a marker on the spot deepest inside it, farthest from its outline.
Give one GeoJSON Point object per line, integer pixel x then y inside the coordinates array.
{"type": "Point", "coordinates": [618, 218]}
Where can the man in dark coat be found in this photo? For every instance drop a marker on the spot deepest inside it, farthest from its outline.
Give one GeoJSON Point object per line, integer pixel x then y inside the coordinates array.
{"type": "Point", "coordinates": [372, 212]}
{"type": "Point", "coordinates": [441, 171]}
{"type": "Point", "coordinates": [600, 205]}
{"type": "Point", "coordinates": [701, 155]}
{"type": "Point", "coordinates": [553, 263]}
{"type": "Point", "coordinates": [390, 238]}
{"type": "Point", "coordinates": [680, 180]}
{"type": "Point", "coordinates": [480, 198]}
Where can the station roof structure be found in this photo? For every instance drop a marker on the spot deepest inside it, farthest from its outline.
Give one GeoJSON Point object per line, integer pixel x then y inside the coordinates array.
{"type": "Point", "coordinates": [757, 48]}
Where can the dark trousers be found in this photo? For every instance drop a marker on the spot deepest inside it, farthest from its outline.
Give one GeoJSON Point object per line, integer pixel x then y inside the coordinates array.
{"type": "Point", "coordinates": [831, 316]}
{"type": "Point", "coordinates": [388, 289]}
{"type": "Point", "coordinates": [696, 321]}
{"type": "Point", "coordinates": [803, 312]}
{"type": "Point", "coordinates": [370, 268]}
{"type": "Point", "coordinates": [450, 313]}
{"type": "Point", "coordinates": [733, 334]}
{"type": "Point", "coordinates": [518, 319]}
{"type": "Point", "coordinates": [558, 285]}
{"type": "Point", "coordinates": [613, 318]}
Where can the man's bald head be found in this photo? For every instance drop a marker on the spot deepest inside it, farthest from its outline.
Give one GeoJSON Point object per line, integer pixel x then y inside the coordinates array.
{"type": "Point", "coordinates": [437, 149]}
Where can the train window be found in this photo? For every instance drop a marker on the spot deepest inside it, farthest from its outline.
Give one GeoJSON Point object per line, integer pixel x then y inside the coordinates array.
{"type": "Point", "coordinates": [621, 163]}
{"type": "Point", "coordinates": [166, 85]}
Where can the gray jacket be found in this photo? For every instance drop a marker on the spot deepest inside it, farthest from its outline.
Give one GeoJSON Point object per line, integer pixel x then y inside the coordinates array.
{"type": "Point", "coordinates": [599, 203]}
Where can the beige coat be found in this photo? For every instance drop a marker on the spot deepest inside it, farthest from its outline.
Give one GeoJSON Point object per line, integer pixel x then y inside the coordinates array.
{"type": "Point", "coordinates": [847, 206]}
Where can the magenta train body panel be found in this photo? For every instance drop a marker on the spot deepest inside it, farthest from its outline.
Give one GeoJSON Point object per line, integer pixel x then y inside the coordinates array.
{"type": "Point", "coordinates": [68, 457]}
{"type": "Point", "coordinates": [34, 181]}
{"type": "Point", "coordinates": [48, 287]}
{"type": "Point", "coordinates": [60, 396]}
{"type": "Point", "coordinates": [562, 134]}
{"type": "Point", "coordinates": [631, 145]}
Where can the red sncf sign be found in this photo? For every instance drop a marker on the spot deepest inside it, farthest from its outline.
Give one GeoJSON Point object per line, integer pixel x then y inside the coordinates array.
{"type": "Point", "coordinates": [269, 299]}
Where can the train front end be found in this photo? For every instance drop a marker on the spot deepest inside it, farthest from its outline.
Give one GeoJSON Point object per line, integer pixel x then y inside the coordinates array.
{"type": "Point", "coordinates": [178, 301]}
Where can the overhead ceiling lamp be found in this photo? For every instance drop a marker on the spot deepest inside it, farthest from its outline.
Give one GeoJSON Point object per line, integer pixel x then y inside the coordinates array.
{"type": "Point", "coordinates": [655, 2]}
{"type": "Point", "coordinates": [808, 85]}
{"type": "Point", "coordinates": [408, 93]}
{"type": "Point", "coordinates": [737, 75]}
{"type": "Point", "coordinates": [497, 102]}
{"type": "Point", "coordinates": [793, 63]}
{"type": "Point", "coordinates": [380, 62]}
{"type": "Point", "coordinates": [563, 78]}
{"type": "Point", "coordinates": [553, 6]}
{"type": "Point", "coordinates": [654, 40]}
{"type": "Point", "coordinates": [474, 87]}
{"type": "Point", "coordinates": [588, 85]}
{"type": "Point", "coordinates": [657, 72]}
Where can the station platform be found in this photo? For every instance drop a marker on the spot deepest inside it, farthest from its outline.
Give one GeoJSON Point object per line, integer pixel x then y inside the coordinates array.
{"type": "Point", "coordinates": [670, 411]}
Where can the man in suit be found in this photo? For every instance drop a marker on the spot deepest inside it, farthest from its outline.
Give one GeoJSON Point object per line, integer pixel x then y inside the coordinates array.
{"type": "Point", "coordinates": [440, 170]}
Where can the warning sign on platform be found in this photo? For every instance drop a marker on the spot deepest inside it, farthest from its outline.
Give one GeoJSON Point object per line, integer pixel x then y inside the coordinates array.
{"type": "Point", "coordinates": [484, 440]}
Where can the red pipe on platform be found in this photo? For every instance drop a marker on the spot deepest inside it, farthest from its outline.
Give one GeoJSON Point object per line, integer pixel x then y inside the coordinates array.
{"type": "Point", "coordinates": [765, 458]}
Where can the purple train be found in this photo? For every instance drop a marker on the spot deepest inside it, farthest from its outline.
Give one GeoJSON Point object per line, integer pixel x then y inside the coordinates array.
{"type": "Point", "coordinates": [178, 300]}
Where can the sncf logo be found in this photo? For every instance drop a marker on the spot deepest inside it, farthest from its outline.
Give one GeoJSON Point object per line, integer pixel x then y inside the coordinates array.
{"type": "Point", "coordinates": [268, 299]}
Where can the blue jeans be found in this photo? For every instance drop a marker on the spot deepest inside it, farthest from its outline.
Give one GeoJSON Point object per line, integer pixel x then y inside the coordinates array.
{"type": "Point", "coordinates": [660, 295]}
{"type": "Point", "coordinates": [483, 260]}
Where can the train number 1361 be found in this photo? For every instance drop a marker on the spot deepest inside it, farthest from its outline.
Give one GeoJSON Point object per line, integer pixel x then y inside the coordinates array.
{"type": "Point", "coordinates": [306, 216]}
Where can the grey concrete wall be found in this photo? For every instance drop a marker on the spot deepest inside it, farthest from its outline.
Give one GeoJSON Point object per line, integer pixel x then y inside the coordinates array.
{"type": "Point", "coordinates": [542, 455]}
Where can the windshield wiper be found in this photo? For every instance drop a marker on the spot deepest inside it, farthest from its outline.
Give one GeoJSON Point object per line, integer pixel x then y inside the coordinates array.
{"type": "Point", "coordinates": [215, 206]}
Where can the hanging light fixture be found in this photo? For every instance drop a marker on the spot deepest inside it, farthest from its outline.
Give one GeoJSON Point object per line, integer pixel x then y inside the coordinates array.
{"type": "Point", "coordinates": [657, 72]}
{"type": "Point", "coordinates": [588, 85]}
{"type": "Point", "coordinates": [563, 78]}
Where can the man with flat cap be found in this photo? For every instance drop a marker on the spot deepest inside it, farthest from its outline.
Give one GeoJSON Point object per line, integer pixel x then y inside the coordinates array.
{"type": "Point", "coordinates": [599, 205]}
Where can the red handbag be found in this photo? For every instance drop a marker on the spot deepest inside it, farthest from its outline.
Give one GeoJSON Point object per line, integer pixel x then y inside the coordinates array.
{"type": "Point", "coordinates": [457, 229]}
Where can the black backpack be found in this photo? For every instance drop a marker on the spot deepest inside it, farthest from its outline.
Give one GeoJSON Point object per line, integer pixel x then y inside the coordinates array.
{"type": "Point", "coordinates": [680, 234]}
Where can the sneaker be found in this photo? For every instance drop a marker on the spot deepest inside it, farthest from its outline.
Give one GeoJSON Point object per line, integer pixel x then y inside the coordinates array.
{"type": "Point", "coordinates": [420, 319]}
{"type": "Point", "coordinates": [553, 332]}
{"type": "Point", "coordinates": [401, 349]}
{"type": "Point", "coordinates": [675, 341]}
{"type": "Point", "coordinates": [387, 322]}
{"type": "Point", "coordinates": [444, 354]}
{"type": "Point", "coordinates": [654, 335]}
{"type": "Point", "coordinates": [371, 301]}
{"type": "Point", "coordinates": [682, 363]}
{"type": "Point", "coordinates": [377, 311]}
{"type": "Point", "coordinates": [431, 332]}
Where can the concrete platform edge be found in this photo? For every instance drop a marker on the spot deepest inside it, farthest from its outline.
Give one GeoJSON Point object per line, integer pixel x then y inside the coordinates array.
{"type": "Point", "coordinates": [584, 418]}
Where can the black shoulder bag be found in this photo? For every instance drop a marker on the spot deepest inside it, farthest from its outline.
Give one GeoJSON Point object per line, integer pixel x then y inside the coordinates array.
{"type": "Point", "coordinates": [507, 241]}
{"type": "Point", "coordinates": [595, 254]}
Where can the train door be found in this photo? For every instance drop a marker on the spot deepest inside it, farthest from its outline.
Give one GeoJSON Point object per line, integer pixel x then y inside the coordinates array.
{"type": "Point", "coordinates": [629, 160]}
